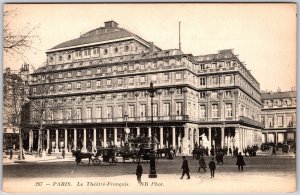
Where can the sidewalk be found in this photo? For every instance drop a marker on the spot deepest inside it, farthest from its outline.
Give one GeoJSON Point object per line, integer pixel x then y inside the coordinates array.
{"type": "Point", "coordinates": [34, 158]}
{"type": "Point", "coordinates": [199, 182]}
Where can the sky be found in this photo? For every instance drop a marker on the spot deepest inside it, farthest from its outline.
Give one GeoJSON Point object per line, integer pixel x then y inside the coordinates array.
{"type": "Point", "coordinates": [263, 35]}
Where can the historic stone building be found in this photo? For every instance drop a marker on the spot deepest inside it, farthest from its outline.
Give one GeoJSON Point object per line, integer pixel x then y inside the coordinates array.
{"type": "Point", "coordinates": [279, 117]}
{"type": "Point", "coordinates": [102, 78]}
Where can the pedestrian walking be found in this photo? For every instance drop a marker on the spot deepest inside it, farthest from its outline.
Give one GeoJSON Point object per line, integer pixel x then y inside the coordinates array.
{"type": "Point", "coordinates": [230, 151]}
{"type": "Point", "coordinates": [63, 153]}
{"type": "Point", "coordinates": [202, 164]}
{"type": "Point", "coordinates": [240, 162]}
{"type": "Point", "coordinates": [273, 151]}
{"type": "Point", "coordinates": [139, 172]}
{"type": "Point", "coordinates": [185, 168]}
{"type": "Point", "coordinates": [212, 167]}
{"type": "Point", "coordinates": [10, 153]}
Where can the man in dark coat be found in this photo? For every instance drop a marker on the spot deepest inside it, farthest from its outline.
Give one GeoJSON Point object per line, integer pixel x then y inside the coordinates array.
{"type": "Point", "coordinates": [139, 172]}
{"type": "Point", "coordinates": [240, 161]}
{"type": "Point", "coordinates": [202, 164]}
{"type": "Point", "coordinates": [273, 151]}
{"type": "Point", "coordinates": [185, 168]}
{"type": "Point", "coordinates": [212, 167]}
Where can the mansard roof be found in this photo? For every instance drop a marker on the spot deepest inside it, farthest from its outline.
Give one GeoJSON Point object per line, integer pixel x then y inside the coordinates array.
{"type": "Point", "coordinates": [278, 95]}
{"type": "Point", "coordinates": [109, 32]}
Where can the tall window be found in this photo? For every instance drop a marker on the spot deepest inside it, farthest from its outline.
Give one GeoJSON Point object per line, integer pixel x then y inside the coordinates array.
{"type": "Point", "coordinates": [120, 111]}
{"type": "Point", "coordinates": [166, 76]}
{"type": "Point", "coordinates": [166, 109]}
{"type": "Point", "coordinates": [60, 75]}
{"type": "Point", "coordinates": [143, 110]}
{"type": "Point", "coordinates": [69, 86]}
{"type": "Point", "coordinates": [202, 95]}
{"type": "Point", "coordinates": [130, 81]}
{"type": "Point", "coordinates": [108, 82]}
{"type": "Point", "coordinates": [178, 75]}
{"type": "Point", "coordinates": [60, 87]}
{"type": "Point", "coordinates": [227, 79]}
{"type": "Point", "coordinates": [69, 113]}
{"type": "Point", "coordinates": [69, 74]}
{"type": "Point", "coordinates": [78, 113]}
{"type": "Point", "coordinates": [98, 83]}
{"type": "Point", "coordinates": [78, 85]}
{"type": "Point", "coordinates": [89, 113]}
{"type": "Point", "coordinates": [99, 112]}
{"type": "Point", "coordinates": [228, 110]}
{"type": "Point", "coordinates": [155, 110]}
{"type": "Point", "coordinates": [179, 108]}
{"type": "Point", "coordinates": [131, 111]}
{"type": "Point", "coordinates": [202, 66]}
{"type": "Point", "coordinates": [98, 70]}
{"type": "Point", "coordinates": [215, 111]}
{"type": "Point", "coordinates": [109, 112]}
{"type": "Point", "coordinates": [202, 111]}
{"type": "Point", "coordinates": [88, 84]}
{"type": "Point", "coordinates": [202, 81]}
{"type": "Point", "coordinates": [228, 94]}
{"type": "Point", "coordinates": [271, 122]}
{"type": "Point", "coordinates": [280, 121]}
{"type": "Point", "coordinates": [142, 79]}
{"type": "Point", "coordinates": [78, 73]}
{"type": "Point", "coordinates": [60, 114]}
{"type": "Point", "coordinates": [214, 95]}
{"type": "Point", "coordinates": [88, 72]}
{"type": "Point", "coordinates": [215, 80]}
{"type": "Point", "coordinates": [120, 82]}
{"type": "Point", "coordinates": [289, 121]}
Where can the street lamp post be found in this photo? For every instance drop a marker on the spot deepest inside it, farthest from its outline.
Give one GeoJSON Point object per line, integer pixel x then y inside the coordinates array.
{"type": "Point", "coordinates": [126, 128]}
{"type": "Point", "coordinates": [152, 174]}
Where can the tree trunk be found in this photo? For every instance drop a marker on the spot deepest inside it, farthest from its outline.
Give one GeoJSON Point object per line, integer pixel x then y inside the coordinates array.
{"type": "Point", "coordinates": [20, 144]}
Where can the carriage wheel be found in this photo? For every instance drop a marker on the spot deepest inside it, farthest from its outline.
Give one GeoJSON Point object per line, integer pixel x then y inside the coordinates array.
{"type": "Point", "coordinates": [96, 162]}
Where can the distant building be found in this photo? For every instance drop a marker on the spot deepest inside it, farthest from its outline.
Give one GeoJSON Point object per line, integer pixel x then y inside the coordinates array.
{"type": "Point", "coordinates": [279, 117]}
{"type": "Point", "coordinates": [10, 130]}
{"type": "Point", "coordinates": [103, 76]}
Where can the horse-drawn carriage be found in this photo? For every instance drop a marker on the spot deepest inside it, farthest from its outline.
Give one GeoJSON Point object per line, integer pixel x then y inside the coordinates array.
{"type": "Point", "coordinates": [198, 151]}
{"type": "Point", "coordinates": [285, 149]}
{"type": "Point", "coordinates": [107, 155]}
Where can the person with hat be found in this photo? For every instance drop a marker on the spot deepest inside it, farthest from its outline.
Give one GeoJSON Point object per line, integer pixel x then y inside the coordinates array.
{"type": "Point", "coordinates": [185, 168]}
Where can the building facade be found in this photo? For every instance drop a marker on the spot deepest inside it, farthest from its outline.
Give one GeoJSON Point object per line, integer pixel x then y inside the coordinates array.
{"type": "Point", "coordinates": [101, 81]}
{"type": "Point", "coordinates": [279, 117]}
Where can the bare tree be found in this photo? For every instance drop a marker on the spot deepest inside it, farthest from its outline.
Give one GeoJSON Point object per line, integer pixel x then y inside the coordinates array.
{"type": "Point", "coordinates": [15, 96]}
{"type": "Point", "coordinates": [17, 41]}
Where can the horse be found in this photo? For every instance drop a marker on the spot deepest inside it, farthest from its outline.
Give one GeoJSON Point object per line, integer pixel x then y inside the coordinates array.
{"type": "Point", "coordinates": [126, 153]}
{"type": "Point", "coordinates": [79, 156]}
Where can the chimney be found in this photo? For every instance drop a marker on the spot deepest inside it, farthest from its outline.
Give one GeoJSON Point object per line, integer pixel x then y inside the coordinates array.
{"type": "Point", "coordinates": [7, 70]}
{"type": "Point", "coordinates": [111, 24]}
{"type": "Point", "coordinates": [278, 89]}
{"type": "Point", "coordinates": [151, 48]}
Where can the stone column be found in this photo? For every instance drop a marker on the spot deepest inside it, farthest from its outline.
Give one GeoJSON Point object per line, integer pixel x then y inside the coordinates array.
{"type": "Point", "coordinates": [75, 139]}
{"type": "Point", "coordinates": [48, 139]}
{"type": "Point", "coordinates": [222, 137]}
{"type": "Point", "coordinates": [66, 140]}
{"type": "Point", "coordinates": [84, 141]}
{"type": "Point", "coordinates": [209, 138]}
{"type": "Point", "coordinates": [138, 132]}
{"type": "Point", "coordinates": [149, 131]}
{"type": "Point", "coordinates": [39, 139]}
{"type": "Point", "coordinates": [30, 139]}
{"type": "Point", "coordinates": [56, 140]}
{"type": "Point", "coordinates": [104, 138]}
{"type": "Point", "coordinates": [115, 135]}
{"type": "Point", "coordinates": [94, 138]}
{"type": "Point", "coordinates": [161, 131]}
{"type": "Point", "coordinates": [173, 137]}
